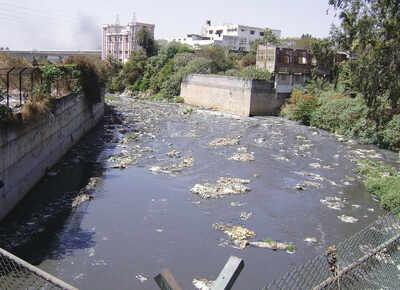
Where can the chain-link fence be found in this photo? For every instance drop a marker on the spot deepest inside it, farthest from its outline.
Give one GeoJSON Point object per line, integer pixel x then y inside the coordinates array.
{"type": "Point", "coordinates": [18, 274]}
{"type": "Point", "coordinates": [369, 259]}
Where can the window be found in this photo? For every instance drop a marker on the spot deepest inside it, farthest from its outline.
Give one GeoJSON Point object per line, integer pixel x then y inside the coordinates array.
{"type": "Point", "coordinates": [261, 33]}
{"type": "Point", "coordinates": [284, 79]}
{"type": "Point", "coordinates": [302, 60]}
{"type": "Point", "coordinates": [252, 32]}
{"type": "Point", "coordinates": [219, 32]}
{"type": "Point", "coordinates": [285, 59]}
{"type": "Point", "coordinates": [210, 32]}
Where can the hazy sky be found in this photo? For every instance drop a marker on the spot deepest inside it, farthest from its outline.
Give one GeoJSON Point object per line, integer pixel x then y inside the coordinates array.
{"type": "Point", "coordinates": [75, 24]}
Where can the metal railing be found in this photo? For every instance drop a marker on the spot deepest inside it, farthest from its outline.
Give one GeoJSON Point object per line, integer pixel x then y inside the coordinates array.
{"type": "Point", "coordinates": [15, 273]}
{"type": "Point", "coordinates": [370, 259]}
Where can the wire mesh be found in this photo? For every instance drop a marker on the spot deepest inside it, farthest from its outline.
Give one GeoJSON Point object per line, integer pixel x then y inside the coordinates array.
{"type": "Point", "coordinates": [18, 274]}
{"type": "Point", "coordinates": [370, 259]}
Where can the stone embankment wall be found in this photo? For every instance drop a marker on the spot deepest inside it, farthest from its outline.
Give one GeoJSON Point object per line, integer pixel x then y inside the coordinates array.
{"type": "Point", "coordinates": [27, 152]}
{"type": "Point", "coordinates": [231, 94]}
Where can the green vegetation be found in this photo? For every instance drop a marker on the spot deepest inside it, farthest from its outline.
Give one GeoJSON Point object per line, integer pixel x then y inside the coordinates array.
{"type": "Point", "coordinates": [291, 249]}
{"type": "Point", "coordinates": [382, 181]}
{"type": "Point", "coordinates": [369, 35]}
{"type": "Point", "coordinates": [75, 75]}
{"type": "Point", "coordinates": [146, 41]}
{"type": "Point", "coordinates": [331, 109]}
{"type": "Point", "coordinates": [160, 76]}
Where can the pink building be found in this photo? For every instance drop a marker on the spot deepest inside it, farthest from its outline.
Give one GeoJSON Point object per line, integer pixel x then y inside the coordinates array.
{"type": "Point", "coordinates": [120, 41]}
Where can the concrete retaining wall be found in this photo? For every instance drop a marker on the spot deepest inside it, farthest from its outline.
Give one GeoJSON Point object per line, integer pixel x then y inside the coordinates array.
{"type": "Point", "coordinates": [27, 152]}
{"type": "Point", "coordinates": [232, 94]}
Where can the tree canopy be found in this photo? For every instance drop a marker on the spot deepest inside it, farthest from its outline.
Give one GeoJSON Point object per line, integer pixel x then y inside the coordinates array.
{"type": "Point", "coordinates": [146, 41]}
{"type": "Point", "coordinates": [370, 33]}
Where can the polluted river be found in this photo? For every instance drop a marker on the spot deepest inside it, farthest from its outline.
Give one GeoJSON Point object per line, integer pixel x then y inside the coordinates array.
{"type": "Point", "coordinates": [159, 186]}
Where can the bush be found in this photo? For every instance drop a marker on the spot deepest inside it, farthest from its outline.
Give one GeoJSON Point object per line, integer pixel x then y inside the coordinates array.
{"type": "Point", "coordinates": [249, 73]}
{"type": "Point", "coordinates": [300, 107]}
{"type": "Point", "coordinates": [304, 110]}
{"type": "Point", "coordinates": [391, 133]}
{"type": "Point", "coordinates": [382, 181]}
{"type": "Point", "coordinates": [219, 59]}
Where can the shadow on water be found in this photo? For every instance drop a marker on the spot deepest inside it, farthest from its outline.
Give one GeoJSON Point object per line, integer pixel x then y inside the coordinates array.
{"type": "Point", "coordinates": [46, 213]}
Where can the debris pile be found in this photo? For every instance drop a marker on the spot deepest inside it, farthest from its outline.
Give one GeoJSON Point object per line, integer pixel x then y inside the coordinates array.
{"type": "Point", "coordinates": [243, 157]}
{"type": "Point", "coordinates": [274, 245]}
{"type": "Point", "coordinates": [177, 167]}
{"type": "Point", "coordinates": [238, 235]}
{"type": "Point", "coordinates": [225, 186]}
{"type": "Point", "coordinates": [333, 202]}
{"type": "Point", "coordinates": [347, 219]}
{"type": "Point", "coordinates": [202, 284]}
{"type": "Point", "coordinates": [225, 141]}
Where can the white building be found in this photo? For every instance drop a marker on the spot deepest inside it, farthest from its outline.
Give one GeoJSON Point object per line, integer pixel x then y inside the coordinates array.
{"type": "Point", "coordinates": [119, 41]}
{"type": "Point", "coordinates": [237, 37]}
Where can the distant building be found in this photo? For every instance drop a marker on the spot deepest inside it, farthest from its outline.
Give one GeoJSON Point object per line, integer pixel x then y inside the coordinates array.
{"type": "Point", "coordinates": [119, 41]}
{"type": "Point", "coordinates": [290, 66]}
{"type": "Point", "coordinates": [234, 36]}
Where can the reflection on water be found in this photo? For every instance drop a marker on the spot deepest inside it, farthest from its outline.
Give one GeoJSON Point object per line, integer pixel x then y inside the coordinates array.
{"type": "Point", "coordinates": [141, 221]}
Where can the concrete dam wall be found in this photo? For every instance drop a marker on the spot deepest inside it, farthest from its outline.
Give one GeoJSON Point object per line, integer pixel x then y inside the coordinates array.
{"type": "Point", "coordinates": [27, 152]}
{"type": "Point", "coordinates": [231, 94]}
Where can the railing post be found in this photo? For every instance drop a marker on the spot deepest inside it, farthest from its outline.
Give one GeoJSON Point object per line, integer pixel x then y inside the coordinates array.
{"type": "Point", "coordinates": [229, 274]}
{"type": "Point", "coordinates": [8, 86]}
{"type": "Point", "coordinates": [166, 281]}
{"type": "Point", "coordinates": [20, 85]}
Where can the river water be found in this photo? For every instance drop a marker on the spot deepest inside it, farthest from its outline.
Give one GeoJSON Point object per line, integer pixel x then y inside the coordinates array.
{"type": "Point", "coordinates": [143, 217]}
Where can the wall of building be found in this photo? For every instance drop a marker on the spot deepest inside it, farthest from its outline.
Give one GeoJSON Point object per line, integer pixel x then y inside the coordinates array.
{"type": "Point", "coordinates": [234, 36]}
{"type": "Point", "coordinates": [119, 41]}
{"type": "Point", "coordinates": [27, 152]}
{"type": "Point", "coordinates": [230, 94]}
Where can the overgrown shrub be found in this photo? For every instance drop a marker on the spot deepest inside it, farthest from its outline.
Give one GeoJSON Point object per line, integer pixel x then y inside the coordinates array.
{"type": "Point", "coordinates": [391, 133]}
{"type": "Point", "coordinates": [300, 107]}
{"type": "Point", "coordinates": [249, 73]}
{"type": "Point", "coordinates": [89, 78]}
{"type": "Point", "coordinates": [382, 181]}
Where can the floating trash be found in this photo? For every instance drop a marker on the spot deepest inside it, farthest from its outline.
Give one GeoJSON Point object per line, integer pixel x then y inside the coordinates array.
{"type": "Point", "coordinates": [225, 186]}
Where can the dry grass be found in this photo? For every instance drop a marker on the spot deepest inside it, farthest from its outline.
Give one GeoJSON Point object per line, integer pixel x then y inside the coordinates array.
{"type": "Point", "coordinates": [298, 96]}
{"type": "Point", "coordinates": [34, 110]}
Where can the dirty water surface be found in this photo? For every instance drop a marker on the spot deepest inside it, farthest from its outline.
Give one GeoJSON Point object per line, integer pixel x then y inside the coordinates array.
{"type": "Point", "coordinates": [159, 186]}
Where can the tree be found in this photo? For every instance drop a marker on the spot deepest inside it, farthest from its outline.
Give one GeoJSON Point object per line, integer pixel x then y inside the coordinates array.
{"type": "Point", "coordinates": [370, 32]}
{"type": "Point", "coordinates": [270, 38]}
{"type": "Point", "coordinates": [146, 41]}
{"type": "Point", "coordinates": [324, 53]}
